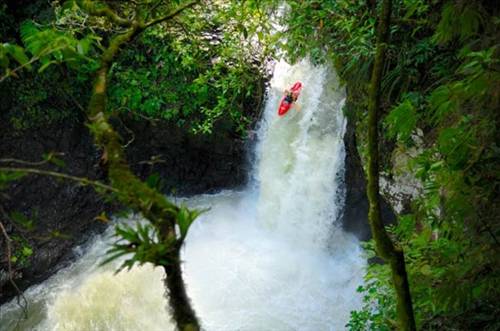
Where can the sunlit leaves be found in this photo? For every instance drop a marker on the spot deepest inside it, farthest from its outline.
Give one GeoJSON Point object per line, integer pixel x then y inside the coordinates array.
{"type": "Point", "coordinates": [22, 251]}
{"type": "Point", "coordinates": [15, 52]}
{"type": "Point", "coordinates": [142, 243]}
{"type": "Point", "coordinates": [185, 217]}
{"type": "Point", "coordinates": [139, 245]}
{"type": "Point", "coordinates": [47, 46]}
{"type": "Point", "coordinates": [196, 77]}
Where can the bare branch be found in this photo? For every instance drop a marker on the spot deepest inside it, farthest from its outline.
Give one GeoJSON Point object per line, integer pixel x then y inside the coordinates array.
{"type": "Point", "coordinates": [147, 118]}
{"type": "Point", "coordinates": [37, 163]}
{"type": "Point", "coordinates": [8, 160]}
{"type": "Point", "coordinates": [13, 71]}
{"type": "Point", "coordinates": [23, 306]}
{"type": "Point", "coordinates": [152, 9]}
{"type": "Point", "coordinates": [81, 180]}
{"type": "Point", "coordinates": [172, 14]}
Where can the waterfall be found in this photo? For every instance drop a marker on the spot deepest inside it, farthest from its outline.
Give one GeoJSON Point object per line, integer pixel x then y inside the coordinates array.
{"type": "Point", "coordinates": [300, 155]}
{"type": "Point", "coordinates": [269, 257]}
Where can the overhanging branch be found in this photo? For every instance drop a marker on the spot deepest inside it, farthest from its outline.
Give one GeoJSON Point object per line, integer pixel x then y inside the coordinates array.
{"type": "Point", "coordinates": [171, 15]}
{"type": "Point", "coordinates": [90, 7]}
{"type": "Point", "coordinates": [81, 180]}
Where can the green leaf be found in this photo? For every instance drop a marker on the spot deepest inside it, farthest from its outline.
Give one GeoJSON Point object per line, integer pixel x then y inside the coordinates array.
{"type": "Point", "coordinates": [426, 270]}
{"type": "Point", "coordinates": [185, 218]}
{"type": "Point", "coordinates": [17, 52]}
{"type": "Point", "coordinates": [46, 65]}
{"type": "Point", "coordinates": [27, 251]}
{"type": "Point", "coordinates": [4, 60]}
{"type": "Point", "coordinates": [401, 121]}
{"type": "Point", "coordinates": [22, 220]}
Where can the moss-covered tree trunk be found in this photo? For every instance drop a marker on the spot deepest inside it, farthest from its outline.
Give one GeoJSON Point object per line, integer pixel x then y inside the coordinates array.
{"type": "Point", "coordinates": [384, 245]}
{"type": "Point", "coordinates": [132, 191]}
{"type": "Point", "coordinates": [135, 193]}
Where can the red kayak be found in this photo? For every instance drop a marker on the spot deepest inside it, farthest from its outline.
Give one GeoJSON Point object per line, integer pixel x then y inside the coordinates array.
{"type": "Point", "coordinates": [287, 100]}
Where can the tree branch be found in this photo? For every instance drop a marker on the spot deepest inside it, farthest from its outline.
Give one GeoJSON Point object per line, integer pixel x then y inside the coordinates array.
{"type": "Point", "coordinates": [171, 15]}
{"type": "Point", "coordinates": [8, 160]}
{"type": "Point", "coordinates": [24, 306]}
{"type": "Point", "coordinates": [90, 7]}
{"type": "Point", "coordinates": [82, 180]}
{"type": "Point", "coordinates": [49, 157]}
{"type": "Point", "coordinates": [134, 193]}
{"type": "Point", "coordinates": [30, 62]}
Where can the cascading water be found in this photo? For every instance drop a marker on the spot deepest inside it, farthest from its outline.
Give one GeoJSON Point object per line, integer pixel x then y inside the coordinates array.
{"type": "Point", "coordinates": [270, 257]}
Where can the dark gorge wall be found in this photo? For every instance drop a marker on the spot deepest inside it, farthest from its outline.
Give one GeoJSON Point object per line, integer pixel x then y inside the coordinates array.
{"type": "Point", "coordinates": [58, 214]}
{"type": "Point", "coordinates": [42, 214]}
{"type": "Point", "coordinates": [186, 163]}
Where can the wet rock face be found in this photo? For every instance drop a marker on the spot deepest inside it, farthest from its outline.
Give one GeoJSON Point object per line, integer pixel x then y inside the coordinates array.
{"type": "Point", "coordinates": [187, 164]}
{"type": "Point", "coordinates": [355, 214]}
{"type": "Point", "coordinates": [63, 212]}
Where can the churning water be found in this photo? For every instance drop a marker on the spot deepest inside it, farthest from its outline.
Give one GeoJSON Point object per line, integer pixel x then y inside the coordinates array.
{"type": "Point", "coordinates": [268, 258]}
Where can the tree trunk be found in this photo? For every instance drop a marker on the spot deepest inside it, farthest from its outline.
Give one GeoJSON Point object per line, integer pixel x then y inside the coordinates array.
{"type": "Point", "coordinates": [182, 311]}
{"type": "Point", "coordinates": [133, 192]}
{"type": "Point", "coordinates": [384, 245]}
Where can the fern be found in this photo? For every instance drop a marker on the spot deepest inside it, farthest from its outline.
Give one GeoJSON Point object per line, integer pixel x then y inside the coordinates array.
{"type": "Point", "coordinates": [53, 47]}
{"type": "Point", "coordinates": [402, 120]}
{"type": "Point", "coordinates": [142, 244]}
{"type": "Point", "coordinates": [458, 20]}
{"type": "Point", "coordinates": [29, 36]}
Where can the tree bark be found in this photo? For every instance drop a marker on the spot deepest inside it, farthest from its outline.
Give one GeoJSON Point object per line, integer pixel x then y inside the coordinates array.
{"type": "Point", "coordinates": [384, 245]}
{"type": "Point", "coordinates": [182, 311]}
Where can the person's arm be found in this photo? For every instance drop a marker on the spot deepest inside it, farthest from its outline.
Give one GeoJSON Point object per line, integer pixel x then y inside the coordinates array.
{"type": "Point", "coordinates": [297, 106]}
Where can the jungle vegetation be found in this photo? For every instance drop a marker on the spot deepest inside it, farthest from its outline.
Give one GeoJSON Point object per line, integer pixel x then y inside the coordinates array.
{"type": "Point", "coordinates": [424, 89]}
{"type": "Point", "coordinates": [439, 106]}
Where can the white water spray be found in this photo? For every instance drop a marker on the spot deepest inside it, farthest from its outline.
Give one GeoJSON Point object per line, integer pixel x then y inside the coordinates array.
{"type": "Point", "coordinates": [268, 258]}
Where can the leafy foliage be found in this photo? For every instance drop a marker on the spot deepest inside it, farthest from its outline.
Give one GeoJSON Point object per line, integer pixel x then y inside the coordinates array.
{"type": "Point", "coordinates": [35, 99]}
{"type": "Point", "coordinates": [459, 20]}
{"type": "Point", "coordinates": [21, 251]}
{"type": "Point", "coordinates": [144, 242]}
{"type": "Point", "coordinates": [15, 52]}
{"type": "Point", "coordinates": [7, 177]}
{"type": "Point", "coordinates": [47, 45]}
{"type": "Point", "coordinates": [197, 74]}
{"type": "Point", "coordinates": [377, 292]}
{"type": "Point", "coordinates": [402, 119]}
{"type": "Point", "coordinates": [52, 46]}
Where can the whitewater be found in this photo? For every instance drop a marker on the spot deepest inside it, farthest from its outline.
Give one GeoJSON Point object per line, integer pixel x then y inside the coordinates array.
{"type": "Point", "coordinates": [270, 257]}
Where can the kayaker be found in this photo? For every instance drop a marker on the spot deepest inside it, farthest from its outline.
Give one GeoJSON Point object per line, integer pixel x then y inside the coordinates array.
{"type": "Point", "coordinates": [291, 97]}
